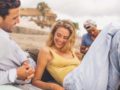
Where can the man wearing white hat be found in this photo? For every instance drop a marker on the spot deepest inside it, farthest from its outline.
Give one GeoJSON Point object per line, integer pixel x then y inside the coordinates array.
{"type": "Point", "coordinates": [90, 36]}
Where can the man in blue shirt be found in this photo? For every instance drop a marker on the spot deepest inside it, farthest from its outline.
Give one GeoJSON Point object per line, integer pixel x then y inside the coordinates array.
{"type": "Point", "coordinates": [90, 36]}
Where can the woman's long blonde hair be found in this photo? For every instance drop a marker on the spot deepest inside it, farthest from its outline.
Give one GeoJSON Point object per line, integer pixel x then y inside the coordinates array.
{"type": "Point", "coordinates": [65, 24]}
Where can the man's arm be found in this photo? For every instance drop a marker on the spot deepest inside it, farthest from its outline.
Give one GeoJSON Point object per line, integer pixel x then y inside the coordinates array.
{"type": "Point", "coordinates": [83, 47]}
{"type": "Point", "coordinates": [8, 76]}
{"type": "Point", "coordinates": [114, 65]}
{"type": "Point", "coordinates": [22, 73]}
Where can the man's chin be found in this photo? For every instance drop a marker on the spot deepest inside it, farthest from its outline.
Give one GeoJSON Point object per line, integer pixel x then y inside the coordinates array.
{"type": "Point", "coordinates": [9, 30]}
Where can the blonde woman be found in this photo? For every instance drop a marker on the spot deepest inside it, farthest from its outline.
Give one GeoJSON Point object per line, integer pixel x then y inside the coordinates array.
{"type": "Point", "coordinates": [58, 57]}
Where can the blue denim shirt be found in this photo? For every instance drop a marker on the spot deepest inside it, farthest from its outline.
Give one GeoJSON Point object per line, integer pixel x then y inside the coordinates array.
{"type": "Point", "coordinates": [86, 40]}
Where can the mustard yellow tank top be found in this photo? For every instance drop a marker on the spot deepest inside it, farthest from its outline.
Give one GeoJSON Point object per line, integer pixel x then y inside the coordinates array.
{"type": "Point", "coordinates": [59, 67]}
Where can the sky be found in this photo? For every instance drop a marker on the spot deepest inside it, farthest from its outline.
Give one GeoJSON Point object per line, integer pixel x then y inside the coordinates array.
{"type": "Point", "coordinates": [101, 11]}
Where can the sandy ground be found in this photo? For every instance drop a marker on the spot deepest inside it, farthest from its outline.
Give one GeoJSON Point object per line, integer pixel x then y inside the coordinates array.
{"type": "Point", "coordinates": [27, 41]}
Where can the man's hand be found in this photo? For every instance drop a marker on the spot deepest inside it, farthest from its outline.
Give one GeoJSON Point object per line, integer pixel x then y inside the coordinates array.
{"type": "Point", "coordinates": [25, 72]}
{"type": "Point", "coordinates": [84, 49]}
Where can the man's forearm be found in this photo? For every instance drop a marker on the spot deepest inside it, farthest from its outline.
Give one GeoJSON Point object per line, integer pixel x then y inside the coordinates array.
{"type": "Point", "coordinates": [7, 77]}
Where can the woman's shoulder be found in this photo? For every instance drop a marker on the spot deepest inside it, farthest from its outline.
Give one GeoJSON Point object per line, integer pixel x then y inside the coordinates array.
{"type": "Point", "coordinates": [44, 49]}
{"type": "Point", "coordinates": [45, 52]}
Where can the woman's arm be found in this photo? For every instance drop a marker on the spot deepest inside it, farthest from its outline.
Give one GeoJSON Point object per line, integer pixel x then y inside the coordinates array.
{"type": "Point", "coordinates": [79, 55]}
{"type": "Point", "coordinates": [43, 59]}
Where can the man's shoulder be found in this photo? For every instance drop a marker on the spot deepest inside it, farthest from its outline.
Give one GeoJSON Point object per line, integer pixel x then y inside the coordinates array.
{"type": "Point", "coordinates": [4, 41]}
{"type": "Point", "coordinates": [4, 48]}
{"type": "Point", "coordinates": [86, 35]}
{"type": "Point", "coordinates": [5, 45]}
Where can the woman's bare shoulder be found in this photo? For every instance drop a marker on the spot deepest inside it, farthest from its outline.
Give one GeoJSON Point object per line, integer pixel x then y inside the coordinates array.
{"type": "Point", "coordinates": [44, 49]}
{"type": "Point", "coordinates": [44, 52]}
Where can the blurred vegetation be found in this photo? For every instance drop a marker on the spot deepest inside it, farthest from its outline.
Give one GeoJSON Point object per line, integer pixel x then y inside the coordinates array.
{"type": "Point", "coordinates": [76, 25]}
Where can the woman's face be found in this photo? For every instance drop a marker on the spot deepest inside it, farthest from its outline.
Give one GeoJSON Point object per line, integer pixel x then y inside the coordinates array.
{"type": "Point", "coordinates": [61, 37]}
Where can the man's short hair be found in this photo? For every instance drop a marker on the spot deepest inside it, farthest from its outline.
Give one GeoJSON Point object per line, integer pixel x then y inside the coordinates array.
{"type": "Point", "coordinates": [5, 5]}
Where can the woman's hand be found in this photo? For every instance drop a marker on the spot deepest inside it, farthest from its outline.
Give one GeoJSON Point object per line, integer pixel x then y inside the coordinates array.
{"type": "Point", "coordinates": [56, 87]}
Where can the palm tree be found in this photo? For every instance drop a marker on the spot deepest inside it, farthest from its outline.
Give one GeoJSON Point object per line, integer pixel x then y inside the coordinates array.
{"type": "Point", "coordinates": [43, 8]}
